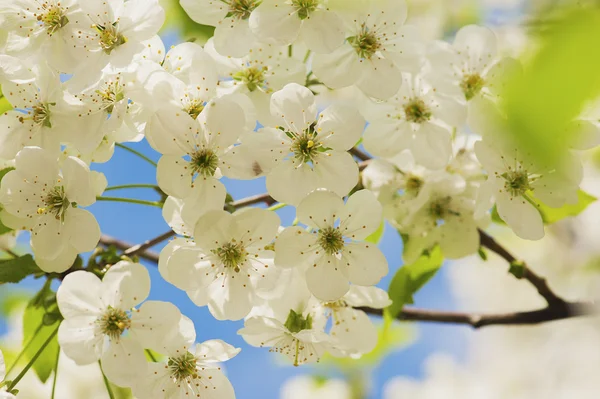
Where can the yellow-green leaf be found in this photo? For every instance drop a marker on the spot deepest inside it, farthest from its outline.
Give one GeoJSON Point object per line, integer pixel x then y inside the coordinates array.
{"type": "Point", "coordinates": [376, 236]}
{"type": "Point", "coordinates": [552, 215]}
{"type": "Point", "coordinates": [32, 320]}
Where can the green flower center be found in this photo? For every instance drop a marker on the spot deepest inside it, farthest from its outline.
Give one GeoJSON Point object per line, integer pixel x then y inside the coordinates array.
{"type": "Point", "coordinates": [53, 19]}
{"type": "Point", "coordinates": [111, 94]}
{"type": "Point", "coordinates": [305, 7]}
{"type": "Point", "coordinates": [516, 182]}
{"type": "Point", "coordinates": [114, 322]}
{"type": "Point", "coordinates": [416, 111]}
{"type": "Point", "coordinates": [205, 162]}
{"type": "Point", "coordinates": [183, 367]}
{"type": "Point", "coordinates": [241, 9]}
{"type": "Point", "coordinates": [414, 184]}
{"type": "Point", "coordinates": [331, 240]}
{"type": "Point", "coordinates": [296, 322]}
{"type": "Point", "coordinates": [304, 146]}
{"type": "Point", "coordinates": [110, 38]}
{"type": "Point", "coordinates": [440, 208]}
{"type": "Point", "coordinates": [194, 108]}
{"type": "Point", "coordinates": [472, 85]}
{"type": "Point", "coordinates": [232, 255]}
{"type": "Point", "coordinates": [253, 78]}
{"type": "Point", "coordinates": [366, 43]}
{"type": "Point", "coordinates": [56, 203]}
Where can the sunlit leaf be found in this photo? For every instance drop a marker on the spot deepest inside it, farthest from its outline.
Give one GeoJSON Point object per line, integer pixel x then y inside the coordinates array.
{"type": "Point", "coordinates": [33, 320]}
{"type": "Point", "coordinates": [552, 215]}
{"type": "Point", "coordinates": [15, 270]}
{"type": "Point", "coordinates": [377, 235]}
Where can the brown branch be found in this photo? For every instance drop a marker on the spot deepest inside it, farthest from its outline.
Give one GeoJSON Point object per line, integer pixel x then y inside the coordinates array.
{"type": "Point", "coordinates": [140, 248]}
{"type": "Point", "coordinates": [540, 284]}
{"type": "Point", "coordinates": [107, 241]}
{"type": "Point", "coordinates": [359, 154]}
{"type": "Point", "coordinates": [475, 320]}
{"type": "Point", "coordinates": [255, 199]}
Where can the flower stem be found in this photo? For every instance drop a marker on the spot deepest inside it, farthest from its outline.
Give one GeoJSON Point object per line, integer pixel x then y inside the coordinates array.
{"type": "Point", "coordinates": [139, 154]}
{"type": "Point", "coordinates": [124, 186]}
{"type": "Point", "coordinates": [55, 374]}
{"type": "Point", "coordinates": [130, 200]}
{"type": "Point", "coordinates": [33, 360]}
{"type": "Point", "coordinates": [277, 207]}
{"type": "Point", "coordinates": [111, 395]}
{"type": "Point", "coordinates": [20, 355]}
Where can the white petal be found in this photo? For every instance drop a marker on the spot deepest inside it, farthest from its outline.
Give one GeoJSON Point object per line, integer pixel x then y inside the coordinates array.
{"type": "Point", "coordinates": [82, 229]}
{"type": "Point", "coordinates": [214, 229]}
{"type": "Point", "coordinates": [154, 321]}
{"type": "Point", "coordinates": [521, 216]}
{"type": "Point", "coordinates": [336, 171]}
{"type": "Point", "coordinates": [380, 78]}
{"type": "Point", "coordinates": [233, 37]}
{"type": "Point", "coordinates": [141, 19]}
{"type": "Point", "coordinates": [387, 140]}
{"type": "Point", "coordinates": [365, 262]}
{"type": "Point", "coordinates": [584, 135]}
{"type": "Point", "coordinates": [432, 146]}
{"type": "Point", "coordinates": [124, 361]}
{"type": "Point", "coordinates": [79, 295]}
{"type": "Point", "coordinates": [372, 297]}
{"type": "Point", "coordinates": [207, 194]}
{"type": "Point", "coordinates": [459, 237]}
{"type": "Point", "coordinates": [215, 351]}
{"type": "Point", "coordinates": [320, 209]}
{"type": "Point", "coordinates": [206, 12]}
{"type": "Point", "coordinates": [125, 285]}
{"type": "Point", "coordinates": [256, 227]}
{"type": "Point", "coordinates": [294, 106]}
{"type": "Point", "coordinates": [174, 176]}
{"type": "Point", "coordinates": [275, 22]}
{"type": "Point", "coordinates": [166, 253]}
{"type": "Point", "coordinates": [189, 269]}
{"type": "Point", "coordinates": [294, 248]}
{"type": "Point", "coordinates": [77, 182]}
{"type": "Point", "coordinates": [339, 69]}
{"type": "Point", "coordinates": [34, 163]}
{"type": "Point", "coordinates": [48, 238]}
{"type": "Point", "coordinates": [171, 212]}
{"type": "Point", "coordinates": [361, 216]}
{"type": "Point", "coordinates": [79, 339]}
{"type": "Point", "coordinates": [327, 279]}
{"type": "Point", "coordinates": [230, 297]}
{"type": "Point", "coordinates": [322, 31]}
{"type": "Point", "coordinates": [262, 331]}
{"type": "Point", "coordinates": [224, 121]}
{"type": "Point", "coordinates": [353, 332]}
{"type": "Point", "coordinates": [340, 127]}
{"type": "Point", "coordinates": [477, 43]}
{"type": "Point", "coordinates": [289, 184]}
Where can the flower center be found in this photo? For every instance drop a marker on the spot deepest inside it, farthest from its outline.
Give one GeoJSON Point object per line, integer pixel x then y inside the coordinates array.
{"type": "Point", "coordinates": [183, 367]}
{"type": "Point", "coordinates": [114, 322]}
{"type": "Point", "coordinates": [241, 9]}
{"type": "Point", "coordinates": [517, 182]}
{"type": "Point", "coordinates": [205, 162]}
{"type": "Point", "coordinates": [110, 38]}
{"type": "Point", "coordinates": [194, 108]}
{"type": "Point", "coordinates": [305, 7]}
{"type": "Point", "coordinates": [53, 19]}
{"type": "Point", "coordinates": [416, 111]}
{"type": "Point", "coordinates": [472, 85]}
{"type": "Point", "coordinates": [110, 96]}
{"type": "Point", "coordinates": [440, 208]}
{"type": "Point", "coordinates": [331, 240]}
{"type": "Point", "coordinates": [232, 255]}
{"type": "Point", "coordinates": [296, 322]}
{"type": "Point", "coordinates": [413, 184]}
{"type": "Point", "coordinates": [253, 78]}
{"type": "Point", "coordinates": [39, 114]}
{"type": "Point", "coordinates": [56, 203]}
{"type": "Point", "coordinates": [304, 146]}
{"type": "Point", "coordinates": [365, 43]}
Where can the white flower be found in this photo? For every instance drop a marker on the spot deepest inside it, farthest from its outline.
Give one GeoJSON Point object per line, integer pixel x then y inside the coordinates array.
{"type": "Point", "coordinates": [296, 337]}
{"type": "Point", "coordinates": [308, 387]}
{"type": "Point", "coordinates": [40, 116]}
{"type": "Point", "coordinates": [333, 255]}
{"type": "Point", "coordinates": [283, 21]}
{"type": "Point", "coordinates": [3, 393]}
{"type": "Point", "coordinates": [377, 48]}
{"type": "Point", "coordinates": [353, 332]}
{"type": "Point", "coordinates": [232, 36]}
{"type": "Point", "coordinates": [304, 154]}
{"type": "Point", "coordinates": [46, 198]}
{"type": "Point", "coordinates": [419, 118]}
{"type": "Point", "coordinates": [187, 371]}
{"type": "Point", "coordinates": [44, 29]}
{"type": "Point", "coordinates": [102, 323]}
{"type": "Point", "coordinates": [116, 33]}
{"type": "Point", "coordinates": [266, 69]}
{"type": "Point", "coordinates": [229, 265]}
{"type": "Point", "coordinates": [471, 69]}
{"type": "Point", "coordinates": [514, 181]}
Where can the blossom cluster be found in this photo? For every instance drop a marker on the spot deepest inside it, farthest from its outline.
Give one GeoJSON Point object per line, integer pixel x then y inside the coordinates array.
{"type": "Point", "coordinates": [85, 76]}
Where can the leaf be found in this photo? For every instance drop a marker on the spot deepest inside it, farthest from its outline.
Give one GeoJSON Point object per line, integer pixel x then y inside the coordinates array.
{"type": "Point", "coordinates": [556, 84]}
{"type": "Point", "coordinates": [4, 103]}
{"type": "Point", "coordinates": [32, 320]}
{"type": "Point", "coordinates": [15, 270]}
{"type": "Point", "coordinates": [376, 236]}
{"type": "Point", "coordinates": [553, 215]}
{"type": "Point", "coordinates": [411, 278]}
{"type": "Point", "coordinates": [4, 171]}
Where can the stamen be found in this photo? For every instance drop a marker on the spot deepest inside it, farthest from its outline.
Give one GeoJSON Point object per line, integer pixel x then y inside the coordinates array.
{"type": "Point", "coordinates": [114, 322]}
{"type": "Point", "coordinates": [205, 162]}
{"type": "Point", "coordinates": [331, 240]}
{"type": "Point", "coordinates": [472, 85]}
{"type": "Point", "coordinates": [416, 111]}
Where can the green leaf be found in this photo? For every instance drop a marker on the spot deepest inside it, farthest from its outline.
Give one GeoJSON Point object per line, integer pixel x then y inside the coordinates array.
{"type": "Point", "coordinates": [411, 278]}
{"type": "Point", "coordinates": [376, 236]}
{"type": "Point", "coordinates": [553, 215]}
{"type": "Point", "coordinates": [15, 270]}
{"type": "Point", "coordinates": [560, 78]}
{"type": "Point", "coordinates": [32, 319]}
{"type": "Point", "coordinates": [4, 171]}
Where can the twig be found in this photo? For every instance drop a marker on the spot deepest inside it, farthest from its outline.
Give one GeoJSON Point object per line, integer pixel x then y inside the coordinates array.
{"type": "Point", "coordinates": [540, 284]}
{"type": "Point", "coordinates": [255, 199]}
{"type": "Point", "coordinates": [140, 248]}
{"type": "Point", "coordinates": [359, 154]}
{"type": "Point", "coordinates": [108, 241]}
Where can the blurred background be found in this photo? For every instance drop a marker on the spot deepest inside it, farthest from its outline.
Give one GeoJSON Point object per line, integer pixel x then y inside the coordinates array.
{"type": "Point", "coordinates": [423, 360]}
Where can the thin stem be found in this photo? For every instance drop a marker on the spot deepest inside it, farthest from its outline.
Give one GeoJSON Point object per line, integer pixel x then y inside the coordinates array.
{"type": "Point", "coordinates": [124, 186]}
{"type": "Point", "coordinates": [111, 395]}
{"type": "Point", "coordinates": [33, 360]}
{"type": "Point", "coordinates": [139, 154]}
{"type": "Point", "coordinates": [136, 249]}
{"type": "Point", "coordinates": [151, 355]}
{"type": "Point", "coordinates": [277, 207]}
{"type": "Point", "coordinates": [25, 349]}
{"type": "Point", "coordinates": [290, 51]}
{"type": "Point", "coordinates": [131, 201]}
{"type": "Point", "coordinates": [306, 59]}
{"type": "Point", "coordinates": [55, 374]}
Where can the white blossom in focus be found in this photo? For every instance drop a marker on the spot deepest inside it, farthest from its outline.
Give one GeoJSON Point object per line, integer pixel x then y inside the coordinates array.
{"type": "Point", "coordinates": [334, 254]}
{"type": "Point", "coordinates": [101, 321]}
{"type": "Point", "coordinates": [46, 197]}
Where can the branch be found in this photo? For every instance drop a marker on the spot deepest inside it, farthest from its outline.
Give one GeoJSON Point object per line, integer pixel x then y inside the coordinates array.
{"type": "Point", "coordinates": [151, 256]}
{"type": "Point", "coordinates": [359, 154]}
{"type": "Point", "coordinates": [540, 284]}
